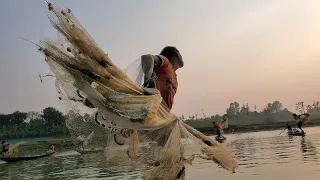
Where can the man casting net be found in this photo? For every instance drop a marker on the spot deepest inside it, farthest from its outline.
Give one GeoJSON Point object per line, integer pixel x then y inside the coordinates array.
{"type": "Point", "coordinates": [140, 130]}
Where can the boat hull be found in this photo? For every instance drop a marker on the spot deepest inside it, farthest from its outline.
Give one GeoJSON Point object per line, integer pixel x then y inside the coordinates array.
{"type": "Point", "coordinates": [14, 159]}
{"type": "Point", "coordinates": [295, 132]}
{"type": "Point", "coordinates": [90, 151]}
{"type": "Point", "coordinates": [220, 138]}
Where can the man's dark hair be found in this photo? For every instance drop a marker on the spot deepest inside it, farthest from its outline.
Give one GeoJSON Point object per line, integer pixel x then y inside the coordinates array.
{"type": "Point", "coordinates": [213, 122]}
{"type": "Point", "coordinates": [169, 52]}
{"type": "Point", "coordinates": [294, 115]}
{"type": "Point", "coordinates": [2, 142]}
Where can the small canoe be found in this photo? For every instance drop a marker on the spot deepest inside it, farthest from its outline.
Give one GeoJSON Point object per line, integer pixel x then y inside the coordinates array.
{"type": "Point", "coordinates": [296, 133]}
{"type": "Point", "coordinates": [87, 151]}
{"type": "Point", "coordinates": [220, 138]}
{"type": "Point", "coordinates": [23, 158]}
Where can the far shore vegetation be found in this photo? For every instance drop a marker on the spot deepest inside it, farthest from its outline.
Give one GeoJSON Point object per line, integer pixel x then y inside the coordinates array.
{"type": "Point", "coordinates": [51, 123]}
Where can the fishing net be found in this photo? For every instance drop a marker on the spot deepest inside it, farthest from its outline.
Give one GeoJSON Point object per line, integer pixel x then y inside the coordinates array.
{"type": "Point", "coordinates": [305, 117]}
{"type": "Point", "coordinates": [224, 123]}
{"type": "Point", "coordinates": [14, 148]}
{"type": "Point", "coordinates": [105, 101]}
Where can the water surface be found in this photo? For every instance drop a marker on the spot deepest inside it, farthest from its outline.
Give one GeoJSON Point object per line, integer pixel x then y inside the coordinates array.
{"type": "Point", "coordinates": [261, 155]}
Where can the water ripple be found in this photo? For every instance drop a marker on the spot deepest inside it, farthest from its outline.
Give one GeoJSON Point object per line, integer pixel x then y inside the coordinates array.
{"type": "Point", "coordinates": [258, 154]}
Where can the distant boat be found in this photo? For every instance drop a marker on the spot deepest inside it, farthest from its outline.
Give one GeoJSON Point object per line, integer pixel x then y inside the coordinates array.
{"type": "Point", "coordinates": [23, 158]}
{"type": "Point", "coordinates": [295, 132]}
{"type": "Point", "coordinates": [87, 151]}
{"type": "Point", "coordinates": [220, 139]}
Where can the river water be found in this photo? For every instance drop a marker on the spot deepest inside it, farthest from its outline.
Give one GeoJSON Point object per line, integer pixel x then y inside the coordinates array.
{"type": "Point", "coordinates": [261, 155]}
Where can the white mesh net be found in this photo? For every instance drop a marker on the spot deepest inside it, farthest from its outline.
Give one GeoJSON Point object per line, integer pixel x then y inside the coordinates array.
{"type": "Point", "coordinates": [108, 107]}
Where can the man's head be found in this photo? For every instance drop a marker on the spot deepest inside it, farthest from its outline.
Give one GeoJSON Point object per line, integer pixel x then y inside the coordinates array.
{"type": "Point", "coordinates": [294, 115]}
{"type": "Point", "coordinates": [213, 122]}
{"type": "Point", "coordinates": [2, 142]}
{"type": "Point", "coordinates": [173, 55]}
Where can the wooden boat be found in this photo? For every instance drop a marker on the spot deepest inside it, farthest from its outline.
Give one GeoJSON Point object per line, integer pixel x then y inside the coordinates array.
{"type": "Point", "coordinates": [295, 132]}
{"type": "Point", "coordinates": [87, 151]}
{"type": "Point", "coordinates": [22, 158]}
{"type": "Point", "coordinates": [220, 138]}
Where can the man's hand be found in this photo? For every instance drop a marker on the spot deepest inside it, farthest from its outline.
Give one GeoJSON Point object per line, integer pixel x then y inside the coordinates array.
{"type": "Point", "coordinates": [148, 62]}
{"type": "Point", "coordinates": [150, 82]}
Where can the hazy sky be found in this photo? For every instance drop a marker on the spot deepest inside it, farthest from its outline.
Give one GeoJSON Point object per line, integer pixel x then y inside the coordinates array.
{"type": "Point", "coordinates": [247, 51]}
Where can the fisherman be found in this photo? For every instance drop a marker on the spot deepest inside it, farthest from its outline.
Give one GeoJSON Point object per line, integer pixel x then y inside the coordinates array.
{"type": "Point", "coordinates": [288, 127]}
{"type": "Point", "coordinates": [299, 119]}
{"type": "Point", "coordinates": [217, 128]}
{"type": "Point", "coordinates": [5, 147]}
{"type": "Point", "coordinates": [160, 72]}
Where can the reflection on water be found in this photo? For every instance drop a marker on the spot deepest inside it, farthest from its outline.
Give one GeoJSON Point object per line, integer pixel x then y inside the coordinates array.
{"type": "Point", "coordinates": [262, 155]}
{"type": "Point", "coordinates": [89, 166]}
{"type": "Point", "coordinates": [268, 155]}
{"type": "Point", "coordinates": [309, 151]}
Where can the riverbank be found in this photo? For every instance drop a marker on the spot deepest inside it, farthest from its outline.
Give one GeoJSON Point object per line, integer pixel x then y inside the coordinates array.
{"type": "Point", "coordinates": [256, 127]}
{"type": "Point", "coordinates": [67, 142]}
{"type": "Point", "coordinates": [36, 144]}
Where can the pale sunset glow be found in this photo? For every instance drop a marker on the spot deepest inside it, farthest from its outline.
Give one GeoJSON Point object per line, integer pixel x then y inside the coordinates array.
{"type": "Point", "coordinates": [249, 51]}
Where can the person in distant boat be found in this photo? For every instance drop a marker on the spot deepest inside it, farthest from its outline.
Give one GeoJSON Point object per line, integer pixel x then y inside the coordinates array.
{"type": "Point", "coordinates": [299, 119]}
{"type": "Point", "coordinates": [217, 128]}
{"type": "Point", "coordinates": [52, 148]}
{"type": "Point", "coordinates": [5, 147]}
{"type": "Point", "coordinates": [160, 73]}
{"type": "Point", "coordinates": [288, 127]}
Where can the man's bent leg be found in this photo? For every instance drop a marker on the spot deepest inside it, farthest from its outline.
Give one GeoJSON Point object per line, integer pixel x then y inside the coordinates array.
{"type": "Point", "coordinates": [300, 125]}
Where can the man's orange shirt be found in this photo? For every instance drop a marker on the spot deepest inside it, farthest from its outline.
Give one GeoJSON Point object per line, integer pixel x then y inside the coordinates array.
{"type": "Point", "coordinates": [52, 148]}
{"type": "Point", "coordinates": [166, 81]}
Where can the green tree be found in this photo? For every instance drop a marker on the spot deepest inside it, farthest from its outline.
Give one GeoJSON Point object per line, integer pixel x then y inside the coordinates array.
{"type": "Point", "coordinates": [53, 119]}
{"type": "Point", "coordinates": [316, 107]}
{"type": "Point", "coordinates": [276, 107]}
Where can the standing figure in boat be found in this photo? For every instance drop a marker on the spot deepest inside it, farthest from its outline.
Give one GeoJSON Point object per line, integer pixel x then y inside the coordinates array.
{"type": "Point", "coordinates": [300, 118]}
{"type": "Point", "coordinates": [216, 127]}
{"type": "Point", "coordinates": [160, 72]}
{"type": "Point", "coordinates": [219, 128]}
{"type": "Point", "coordinates": [299, 123]}
{"type": "Point", "coordinates": [5, 147]}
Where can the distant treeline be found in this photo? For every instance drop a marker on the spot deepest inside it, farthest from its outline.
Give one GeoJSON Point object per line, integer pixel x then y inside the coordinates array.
{"type": "Point", "coordinates": [243, 115]}
{"type": "Point", "coordinates": [50, 122]}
